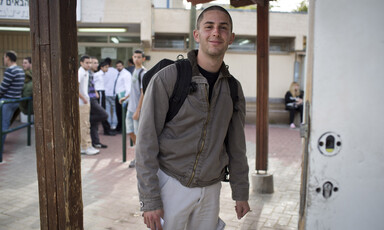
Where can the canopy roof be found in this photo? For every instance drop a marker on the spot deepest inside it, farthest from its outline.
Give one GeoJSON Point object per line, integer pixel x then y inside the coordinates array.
{"type": "Point", "coordinates": [235, 3]}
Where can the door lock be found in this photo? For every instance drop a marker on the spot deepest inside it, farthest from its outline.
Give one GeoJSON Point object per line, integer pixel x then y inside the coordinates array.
{"type": "Point", "coordinates": [327, 189]}
{"type": "Point", "coordinates": [330, 144]}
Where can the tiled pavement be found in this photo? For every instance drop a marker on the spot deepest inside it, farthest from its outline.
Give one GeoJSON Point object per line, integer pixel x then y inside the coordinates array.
{"type": "Point", "coordinates": [110, 194]}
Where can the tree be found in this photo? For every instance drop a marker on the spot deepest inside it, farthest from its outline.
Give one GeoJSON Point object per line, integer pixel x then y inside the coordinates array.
{"type": "Point", "coordinates": [303, 7]}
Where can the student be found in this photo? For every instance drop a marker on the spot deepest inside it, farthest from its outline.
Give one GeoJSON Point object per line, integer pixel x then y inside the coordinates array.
{"type": "Point", "coordinates": [135, 98]}
{"type": "Point", "coordinates": [84, 107]}
{"type": "Point", "coordinates": [294, 103]}
{"type": "Point", "coordinates": [10, 88]}
{"type": "Point", "coordinates": [28, 85]}
{"type": "Point", "coordinates": [110, 97]}
{"type": "Point", "coordinates": [130, 66]}
{"type": "Point", "coordinates": [180, 164]}
{"type": "Point", "coordinates": [98, 80]}
{"type": "Point", "coordinates": [122, 90]}
{"type": "Point", "coordinates": [97, 114]}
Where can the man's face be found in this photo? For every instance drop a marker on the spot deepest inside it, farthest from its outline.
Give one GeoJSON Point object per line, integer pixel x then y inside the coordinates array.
{"type": "Point", "coordinates": [86, 64]}
{"type": "Point", "coordinates": [26, 65]}
{"type": "Point", "coordinates": [119, 67]}
{"type": "Point", "coordinates": [6, 60]}
{"type": "Point", "coordinates": [138, 59]}
{"type": "Point", "coordinates": [214, 33]}
{"type": "Point", "coordinates": [104, 68]}
{"type": "Point", "coordinates": [94, 64]}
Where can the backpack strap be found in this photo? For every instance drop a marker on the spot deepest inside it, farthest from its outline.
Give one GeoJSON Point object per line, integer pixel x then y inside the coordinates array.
{"type": "Point", "coordinates": [181, 89]}
{"type": "Point", "coordinates": [234, 92]}
{"type": "Point", "coordinates": [141, 71]}
{"type": "Point", "coordinates": [232, 83]}
{"type": "Point", "coordinates": [150, 73]}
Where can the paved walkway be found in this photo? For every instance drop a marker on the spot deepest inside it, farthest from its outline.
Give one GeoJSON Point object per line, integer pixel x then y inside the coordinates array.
{"type": "Point", "coordinates": [110, 195]}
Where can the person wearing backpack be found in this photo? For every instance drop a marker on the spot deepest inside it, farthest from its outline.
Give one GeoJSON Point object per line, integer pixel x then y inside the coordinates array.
{"type": "Point", "coordinates": [180, 163]}
{"type": "Point", "coordinates": [135, 98]}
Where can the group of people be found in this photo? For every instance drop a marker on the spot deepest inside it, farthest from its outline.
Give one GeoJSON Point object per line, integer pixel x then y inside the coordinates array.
{"type": "Point", "coordinates": [103, 90]}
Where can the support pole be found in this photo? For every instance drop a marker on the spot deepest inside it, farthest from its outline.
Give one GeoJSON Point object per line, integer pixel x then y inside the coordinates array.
{"type": "Point", "coordinates": [56, 106]}
{"type": "Point", "coordinates": [262, 183]}
{"type": "Point", "coordinates": [262, 86]}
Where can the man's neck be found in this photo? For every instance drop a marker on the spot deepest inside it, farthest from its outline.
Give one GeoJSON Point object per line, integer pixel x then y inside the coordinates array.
{"type": "Point", "coordinates": [12, 64]}
{"type": "Point", "coordinates": [209, 63]}
{"type": "Point", "coordinates": [139, 67]}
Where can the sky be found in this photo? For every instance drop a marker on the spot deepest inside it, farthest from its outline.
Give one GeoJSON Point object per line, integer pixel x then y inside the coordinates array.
{"type": "Point", "coordinates": [280, 5]}
{"type": "Point", "coordinates": [286, 5]}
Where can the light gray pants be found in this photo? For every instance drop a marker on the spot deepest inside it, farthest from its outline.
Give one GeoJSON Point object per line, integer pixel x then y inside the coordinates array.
{"type": "Point", "coordinates": [189, 208]}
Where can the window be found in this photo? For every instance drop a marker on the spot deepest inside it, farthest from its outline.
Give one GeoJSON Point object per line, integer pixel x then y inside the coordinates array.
{"type": "Point", "coordinates": [243, 44]}
{"type": "Point", "coordinates": [124, 39]}
{"type": "Point", "coordinates": [100, 39]}
{"type": "Point", "coordinates": [281, 44]}
{"type": "Point", "coordinates": [169, 41]}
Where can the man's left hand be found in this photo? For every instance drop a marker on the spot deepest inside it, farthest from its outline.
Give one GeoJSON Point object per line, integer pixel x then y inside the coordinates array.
{"type": "Point", "coordinates": [242, 207]}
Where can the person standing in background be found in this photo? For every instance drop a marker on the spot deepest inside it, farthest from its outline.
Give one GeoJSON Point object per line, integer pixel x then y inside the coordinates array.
{"type": "Point", "coordinates": [10, 88]}
{"type": "Point", "coordinates": [28, 86]}
{"type": "Point", "coordinates": [109, 83]}
{"type": "Point", "coordinates": [135, 98]}
{"type": "Point", "coordinates": [84, 107]}
{"type": "Point", "coordinates": [98, 79]}
{"type": "Point", "coordinates": [97, 114]}
{"type": "Point", "coordinates": [130, 66]}
{"type": "Point", "coordinates": [122, 90]}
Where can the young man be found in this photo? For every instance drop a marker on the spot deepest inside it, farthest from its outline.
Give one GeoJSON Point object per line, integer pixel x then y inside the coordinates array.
{"type": "Point", "coordinates": [10, 88]}
{"type": "Point", "coordinates": [122, 90]}
{"type": "Point", "coordinates": [130, 66]}
{"type": "Point", "coordinates": [28, 85]}
{"type": "Point", "coordinates": [110, 96]}
{"type": "Point", "coordinates": [180, 164]}
{"type": "Point", "coordinates": [84, 107]}
{"type": "Point", "coordinates": [27, 63]}
{"type": "Point", "coordinates": [135, 98]}
{"type": "Point", "coordinates": [98, 114]}
{"type": "Point", "coordinates": [98, 80]}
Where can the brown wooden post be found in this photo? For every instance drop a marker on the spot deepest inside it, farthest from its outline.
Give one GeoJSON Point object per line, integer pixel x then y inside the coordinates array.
{"type": "Point", "coordinates": [56, 106]}
{"type": "Point", "coordinates": [262, 85]}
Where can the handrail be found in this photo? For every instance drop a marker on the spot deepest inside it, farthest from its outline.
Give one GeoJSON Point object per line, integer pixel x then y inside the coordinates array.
{"type": "Point", "coordinates": [28, 124]}
{"type": "Point", "coordinates": [124, 132]}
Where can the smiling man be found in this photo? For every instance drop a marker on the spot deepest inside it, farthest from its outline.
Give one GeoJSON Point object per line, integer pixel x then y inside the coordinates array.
{"type": "Point", "coordinates": [180, 164]}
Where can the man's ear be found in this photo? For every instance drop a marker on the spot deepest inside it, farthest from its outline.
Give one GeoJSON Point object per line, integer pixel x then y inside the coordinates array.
{"type": "Point", "coordinates": [232, 39]}
{"type": "Point", "coordinates": [196, 36]}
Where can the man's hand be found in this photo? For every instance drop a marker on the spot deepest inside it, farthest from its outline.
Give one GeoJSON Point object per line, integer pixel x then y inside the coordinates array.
{"type": "Point", "coordinates": [152, 219]}
{"type": "Point", "coordinates": [242, 207]}
{"type": "Point", "coordinates": [136, 115]}
{"type": "Point", "coordinates": [84, 101]}
{"type": "Point", "coordinates": [123, 99]}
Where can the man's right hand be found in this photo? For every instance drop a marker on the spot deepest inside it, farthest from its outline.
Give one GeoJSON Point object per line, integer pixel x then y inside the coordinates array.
{"type": "Point", "coordinates": [152, 219]}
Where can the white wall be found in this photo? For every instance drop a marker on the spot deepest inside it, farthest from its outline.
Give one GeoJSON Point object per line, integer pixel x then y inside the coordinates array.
{"type": "Point", "coordinates": [120, 11]}
{"type": "Point", "coordinates": [347, 94]}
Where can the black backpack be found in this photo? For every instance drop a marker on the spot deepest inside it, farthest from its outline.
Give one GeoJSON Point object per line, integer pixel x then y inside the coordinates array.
{"type": "Point", "coordinates": [183, 85]}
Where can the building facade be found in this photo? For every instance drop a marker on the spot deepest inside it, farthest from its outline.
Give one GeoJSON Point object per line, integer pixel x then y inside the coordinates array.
{"type": "Point", "coordinates": [161, 28]}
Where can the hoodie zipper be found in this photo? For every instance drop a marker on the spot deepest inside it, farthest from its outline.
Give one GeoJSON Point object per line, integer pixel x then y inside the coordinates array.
{"type": "Point", "coordinates": [203, 138]}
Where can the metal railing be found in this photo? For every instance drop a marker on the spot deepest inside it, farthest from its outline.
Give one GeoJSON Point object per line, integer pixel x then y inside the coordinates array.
{"type": "Point", "coordinates": [124, 132]}
{"type": "Point", "coordinates": [26, 125]}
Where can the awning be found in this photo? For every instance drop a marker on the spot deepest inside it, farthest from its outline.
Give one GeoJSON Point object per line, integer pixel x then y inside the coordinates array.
{"type": "Point", "coordinates": [235, 3]}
